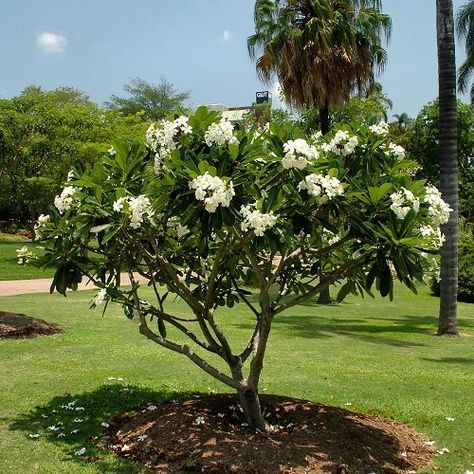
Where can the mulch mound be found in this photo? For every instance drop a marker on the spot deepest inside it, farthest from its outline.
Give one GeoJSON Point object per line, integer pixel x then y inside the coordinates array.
{"type": "Point", "coordinates": [14, 325]}
{"type": "Point", "coordinates": [309, 438]}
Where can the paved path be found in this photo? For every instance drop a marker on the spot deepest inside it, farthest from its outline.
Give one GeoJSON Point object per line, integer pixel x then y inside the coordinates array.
{"type": "Point", "coordinates": [20, 287]}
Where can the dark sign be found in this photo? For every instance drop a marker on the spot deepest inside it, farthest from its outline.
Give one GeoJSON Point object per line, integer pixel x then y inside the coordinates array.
{"type": "Point", "coordinates": [264, 97]}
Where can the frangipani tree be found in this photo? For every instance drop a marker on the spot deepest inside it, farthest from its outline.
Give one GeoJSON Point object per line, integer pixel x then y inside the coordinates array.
{"type": "Point", "coordinates": [205, 210]}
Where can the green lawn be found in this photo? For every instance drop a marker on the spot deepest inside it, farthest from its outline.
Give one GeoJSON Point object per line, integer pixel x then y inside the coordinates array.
{"type": "Point", "coordinates": [9, 268]}
{"type": "Point", "coordinates": [380, 357]}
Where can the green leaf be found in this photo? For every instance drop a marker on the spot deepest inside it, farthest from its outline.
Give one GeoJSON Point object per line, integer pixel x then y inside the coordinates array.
{"type": "Point", "coordinates": [234, 150]}
{"type": "Point", "coordinates": [345, 290]}
{"type": "Point", "coordinates": [100, 228]}
{"type": "Point", "coordinates": [161, 328]}
{"type": "Point", "coordinates": [203, 166]}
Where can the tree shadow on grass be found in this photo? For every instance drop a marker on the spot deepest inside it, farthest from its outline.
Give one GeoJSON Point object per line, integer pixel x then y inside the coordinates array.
{"type": "Point", "coordinates": [57, 421]}
{"type": "Point", "coordinates": [376, 330]}
{"type": "Point", "coordinates": [452, 360]}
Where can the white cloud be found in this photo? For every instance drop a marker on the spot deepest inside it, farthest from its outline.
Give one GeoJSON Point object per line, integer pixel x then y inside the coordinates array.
{"type": "Point", "coordinates": [51, 42]}
{"type": "Point", "coordinates": [226, 35]}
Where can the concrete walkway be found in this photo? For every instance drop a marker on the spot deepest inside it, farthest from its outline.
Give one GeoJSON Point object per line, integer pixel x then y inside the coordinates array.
{"type": "Point", "coordinates": [20, 287]}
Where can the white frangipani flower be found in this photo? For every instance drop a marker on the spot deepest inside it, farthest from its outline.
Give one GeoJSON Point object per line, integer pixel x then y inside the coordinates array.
{"type": "Point", "coordinates": [176, 228]}
{"type": "Point", "coordinates": [342, 144]}
{"type": "Point", "coordinates": [41, 223]}
{"type": "Point", "coordinates": [297, 154]}
{"type": "Point", "coordinates": [255, 220]}
{"type": "Point", "coordinates": [438, 208]}
{"type": "Point", "coordinates": [199, 420]}
{"type": "Point", "coordinates": [137, 208]}
{"type": "Point", "coordinates": [395, 150]}
{"type": "Point", "coordinates": [382, 128]}
{"type": "Point", "coordinates": [325, 187]}
{"type": "Point", "coordinates": [64, 200]}
{"type": "Point", "coordinates": [80, 452]}
{"type": "Point", "coordinates": [219, 133]}
{"type": "Point", "coordinates": [213, 190]}
{"type": "Point", "coordinates": [403, 202]}
{"type": "Point", "coordinates": [162, 138]}
{"type": "Point", "coordinates": [101, 297]}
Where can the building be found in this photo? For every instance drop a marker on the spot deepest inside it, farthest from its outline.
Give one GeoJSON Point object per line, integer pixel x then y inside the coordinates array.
{"type": "Point", "coordinates": [236, 114]}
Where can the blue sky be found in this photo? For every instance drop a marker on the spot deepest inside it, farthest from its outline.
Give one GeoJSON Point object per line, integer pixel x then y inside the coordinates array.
{"type": "Point", "coordinates": [199, 45]}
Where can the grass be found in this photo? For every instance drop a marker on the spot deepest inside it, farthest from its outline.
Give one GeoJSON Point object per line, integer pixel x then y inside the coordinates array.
{"type": "Point", "coordinates": [9, 268]}
{"type": "Point", "coordinates": [380, 357]}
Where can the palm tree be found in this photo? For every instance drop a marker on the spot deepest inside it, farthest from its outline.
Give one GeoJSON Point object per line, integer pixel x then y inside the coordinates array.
{"type": "Point", "coordinates": [448, 164]}
{"type": "Point", "coordinates": [402, 120]}
{"type": "Point", "coordinates": [465, 26]}
{"type": "Point", "coordinates": [320, 51]}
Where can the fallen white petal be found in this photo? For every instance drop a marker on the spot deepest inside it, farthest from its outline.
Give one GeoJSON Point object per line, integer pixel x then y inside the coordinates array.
{"type": "Point", "coordinates": [80, 452]}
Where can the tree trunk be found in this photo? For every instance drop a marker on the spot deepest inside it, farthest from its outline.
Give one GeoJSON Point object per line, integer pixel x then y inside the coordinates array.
{"type": "Point", "coordinates": [324, 296]}
{"type": "Point", "coordinates": [449, 165]}
{"type": "Point", "coordinates": [250, 402]}
{"type": "Point", "coordinates": [324, 118]}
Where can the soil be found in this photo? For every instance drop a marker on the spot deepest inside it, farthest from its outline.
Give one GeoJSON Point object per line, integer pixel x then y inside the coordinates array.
{"type": "Point", "coordinates": [308, 438]}
{"type": "Point", "coordinates": [14, 325]}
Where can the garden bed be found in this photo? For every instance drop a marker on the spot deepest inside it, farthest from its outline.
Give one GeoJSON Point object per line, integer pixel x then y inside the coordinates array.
{"type": "Point", "coordinates": [14, 325]}
{"type": "Point", "coordinates": [208, 434]}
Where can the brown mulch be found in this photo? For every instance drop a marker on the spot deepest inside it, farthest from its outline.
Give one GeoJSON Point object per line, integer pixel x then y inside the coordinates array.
{"type": "Point", "coordinates": [14, 325]}
{"type": "Point", "coordinates": [310, 438]}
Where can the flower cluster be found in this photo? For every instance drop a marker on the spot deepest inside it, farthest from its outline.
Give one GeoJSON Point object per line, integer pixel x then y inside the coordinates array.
{"type": "Point", "coordinates": [297, 154]}
{"type": "Point", "coordinates": [25, 255]}
{"type": "Point", "coordinates": [220, 133]}
{"type": "Point", "coordinates": [176, 228]}
{"type": "Point", "coordinates": [331, 237]}
{"type": "Point", "coordinates": [382, 128]}
{"type": "Point", "coordinates": [64, 200]}
{"type": "Point", "coordinates": [100, 297]}
{"type": "Point", "coordinates": [403, 202]}
{"type": "Point", "coordinates": [439, 209]}
{"type": "Point", "coordinates": [395, 150]}
{"type": "Point", "coordinates": [326, 187]}
{"type": "Point", "coordinates": [434, 234]}
{"type": "Point", "coordinates": [213, 190]}
{"type": "Point", "coordinates": [342, 144]}
{"type": "Point", "coordinates": [255, 220]}
{"type": "Point", "coordinates": [41, 223]}
{"type": "Point", "coordinates": [136, 207]}
{"type": "Point", "coordinates": [162, 138]}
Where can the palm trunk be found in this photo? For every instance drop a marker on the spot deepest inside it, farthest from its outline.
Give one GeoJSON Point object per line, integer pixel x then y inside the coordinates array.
{"type": "Point", "coordinates": [449, 165]}
{"type": "Point", "coordinates": [324, 296]}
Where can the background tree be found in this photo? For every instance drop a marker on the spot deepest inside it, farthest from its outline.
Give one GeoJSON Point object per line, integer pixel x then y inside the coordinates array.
{"type": "Point", "coordinates": [320, 51]}
{"type": "Point", "coordinates": [155, 101]}
{"type": "Point", "coordinates": [465, 26]}
{"type": "Point", "coordinates": [402, 120]}
{"type": "Point", "coordinates": [43, 134]}
{"type": "Point", "coordinates": [448, 160]}
{"type": "Point", "coordinates": [208, 210]}
{"type": "Point", "coordinates": [422, 142]}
